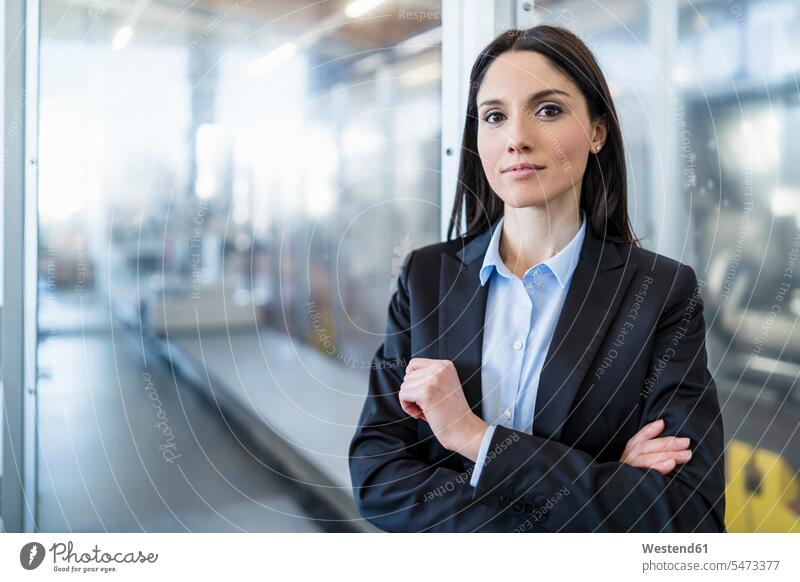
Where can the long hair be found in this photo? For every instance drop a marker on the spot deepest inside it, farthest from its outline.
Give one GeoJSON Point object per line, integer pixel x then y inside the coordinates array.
{"type": "Point", "coordinates": [604, 184]}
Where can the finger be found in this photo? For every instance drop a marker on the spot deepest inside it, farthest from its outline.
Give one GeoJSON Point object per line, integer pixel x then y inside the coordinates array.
{"type": "Point", "coordinates": [663, 466]}
{"type": "Point", "coordinates": [413, 410]}
{"type": "Point", "coordinates": [407, 394]}
{"type": "Point", "coordinates": [648, 431]}
{"type": "Point", "coordinates": [410, 407]}
{"type": "Point", "coordinates": [420, 376]}
{"type": "Point", "coordinates": [422, 372]}
{"type": "Point", "coordinates": [417, 364]}
{"type": "Point", "coordinates": [669, 443]}
{"type": "Point", "coordinates": [412, 394]}
{"type": "Point", "coordinates": [413, 382]}
{"type": "Point", "coordinates": [652, 460]}
{"type": "Point", "coordinates": [666, 466]}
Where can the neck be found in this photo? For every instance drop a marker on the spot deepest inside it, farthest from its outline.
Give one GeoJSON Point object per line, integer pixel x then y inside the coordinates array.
{"type": "Point", "coordinates": [534, 234]}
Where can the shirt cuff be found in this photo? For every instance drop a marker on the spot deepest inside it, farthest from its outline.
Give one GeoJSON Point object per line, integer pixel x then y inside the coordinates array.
{"type": "Point", "coordinates": [487, 438]}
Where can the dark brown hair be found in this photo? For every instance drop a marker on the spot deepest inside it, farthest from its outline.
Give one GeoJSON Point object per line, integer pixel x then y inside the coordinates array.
{"type": "Point", "coordinates": [604, 185]}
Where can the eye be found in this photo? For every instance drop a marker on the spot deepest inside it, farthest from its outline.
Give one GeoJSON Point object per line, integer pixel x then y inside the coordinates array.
{"type": "Point", "coordinates": [552, 109]}
{"type": "Point", "coordinates": [488, 118]}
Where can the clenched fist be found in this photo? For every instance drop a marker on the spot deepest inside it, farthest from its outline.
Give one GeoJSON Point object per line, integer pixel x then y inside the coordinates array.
{"type": "Point", "coordinates": [431, 391]}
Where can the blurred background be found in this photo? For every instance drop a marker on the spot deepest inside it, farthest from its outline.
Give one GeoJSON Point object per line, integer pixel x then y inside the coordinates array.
{"type": "Point", "coordinates": [222, 193]}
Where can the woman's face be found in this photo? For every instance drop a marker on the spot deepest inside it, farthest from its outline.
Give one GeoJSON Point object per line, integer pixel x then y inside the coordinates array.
{"type": "Point", "coordinates": [531, 114]}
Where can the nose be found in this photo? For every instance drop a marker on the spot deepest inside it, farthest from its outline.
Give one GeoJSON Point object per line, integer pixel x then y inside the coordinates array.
{"type": "Point", "coordinates": [518, 136]}
{"type": "Point", "coordinates": [518, 147]}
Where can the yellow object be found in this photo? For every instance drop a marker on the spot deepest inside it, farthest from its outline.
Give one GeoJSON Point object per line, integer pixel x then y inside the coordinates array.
{"type": "Point", "coordinates": [762, 493]}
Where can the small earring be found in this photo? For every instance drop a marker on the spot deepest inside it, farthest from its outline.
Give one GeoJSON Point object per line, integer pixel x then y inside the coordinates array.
{"type": "Point", "coordinates": [598, 148]}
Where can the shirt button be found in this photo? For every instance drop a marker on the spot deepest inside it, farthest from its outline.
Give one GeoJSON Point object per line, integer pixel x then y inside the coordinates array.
{"type": "Point", "coordinates": [507, 414]}
{"type": "Point", "coordinates": [517, 345]}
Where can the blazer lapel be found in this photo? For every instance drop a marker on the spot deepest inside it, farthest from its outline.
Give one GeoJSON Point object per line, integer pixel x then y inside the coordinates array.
{"type": "Point", "coordinates": [591, 304]}
{"type": "Point", "coordinates": [462, 309]}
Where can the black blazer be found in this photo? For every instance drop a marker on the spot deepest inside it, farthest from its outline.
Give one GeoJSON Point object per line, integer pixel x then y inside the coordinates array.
{"type": "Point", "coordinates": [628, 349]}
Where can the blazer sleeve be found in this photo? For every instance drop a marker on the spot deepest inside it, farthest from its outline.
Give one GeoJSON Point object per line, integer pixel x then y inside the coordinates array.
{"type": "Point", "coordinates": [394, 488]}
{"type": "Point", "coordinates": [564, 489]}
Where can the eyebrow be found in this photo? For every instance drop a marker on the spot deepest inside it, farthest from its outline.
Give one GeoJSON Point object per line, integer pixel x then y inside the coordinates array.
{"type": "Point", "coordinates": [534, 97]}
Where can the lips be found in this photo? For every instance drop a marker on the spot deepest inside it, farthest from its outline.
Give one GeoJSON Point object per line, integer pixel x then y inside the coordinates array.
{"type": "Point", "coordinates": [522, 171]}
{"type": "Point", "coordinates": [522, 166]}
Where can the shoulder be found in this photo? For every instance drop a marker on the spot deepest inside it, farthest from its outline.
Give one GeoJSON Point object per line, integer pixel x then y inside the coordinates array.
{"type": "Point", "coordinates": [653, 263]}
{"type": "Point", "coordinates": [420, 277]}
{"type": "Point", "coordinates": [676, 280]}
{"type": "Point", "coordinates": [424, 258]}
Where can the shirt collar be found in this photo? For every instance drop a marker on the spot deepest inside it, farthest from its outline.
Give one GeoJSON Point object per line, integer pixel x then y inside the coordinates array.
{"type": "Point", "coordinates": [562, 264]}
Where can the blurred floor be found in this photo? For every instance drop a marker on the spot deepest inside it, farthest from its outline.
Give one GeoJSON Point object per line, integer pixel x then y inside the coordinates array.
{"type": "Point", "coordinates": [100, 467]}
{"type": "Point", "coordinates": [310, 399]}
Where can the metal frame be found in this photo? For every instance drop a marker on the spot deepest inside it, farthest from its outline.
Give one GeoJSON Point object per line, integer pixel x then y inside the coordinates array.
{"type": "Point", "coordinates": [18, 345]}
{"type": "Point", "coordinates": [467, 26]}
{"type": "Point", "coordinates": [669, 211]}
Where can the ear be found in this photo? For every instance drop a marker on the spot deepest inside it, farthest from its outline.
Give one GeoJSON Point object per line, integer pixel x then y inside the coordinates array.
{"type": "Point", "coordinates": [599, 132]}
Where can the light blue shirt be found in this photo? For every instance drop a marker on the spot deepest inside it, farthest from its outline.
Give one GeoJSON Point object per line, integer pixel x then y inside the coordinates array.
{"type": "Point", "coordinates": [521, 315]}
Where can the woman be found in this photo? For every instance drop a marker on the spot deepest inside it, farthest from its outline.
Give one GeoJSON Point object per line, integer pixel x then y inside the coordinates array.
{"type": "Point", "coordinates": [542, 372]}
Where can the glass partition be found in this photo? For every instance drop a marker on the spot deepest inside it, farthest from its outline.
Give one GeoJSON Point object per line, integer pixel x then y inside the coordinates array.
{"type": "Point", "coordinates": [235, 178]}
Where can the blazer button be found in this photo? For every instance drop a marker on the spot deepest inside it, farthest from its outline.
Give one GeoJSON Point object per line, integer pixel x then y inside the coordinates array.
{"type": "Point", "coordinates": [518, 507]}
{"type": "Point", "coordinates": [503, 501]}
